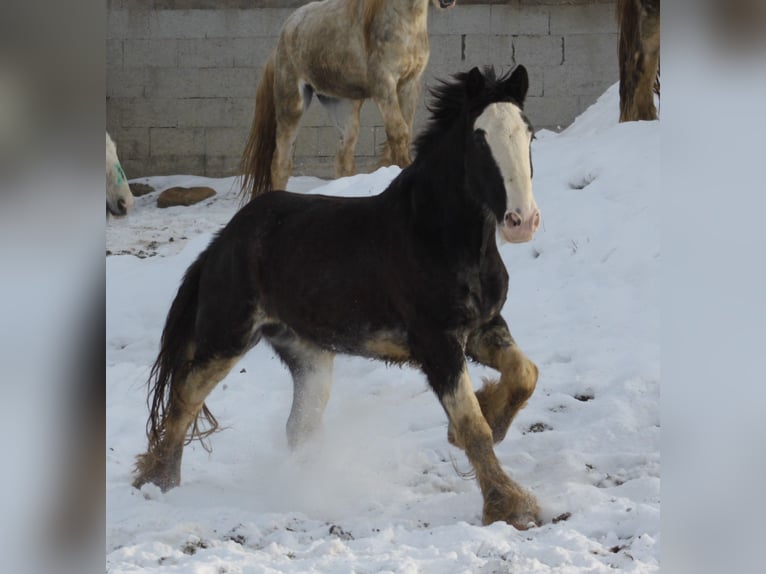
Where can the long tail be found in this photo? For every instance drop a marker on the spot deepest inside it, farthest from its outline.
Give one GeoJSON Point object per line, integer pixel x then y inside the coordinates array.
{"type": "Point", "coordinates": [174, 359]}
{"type": "Point", "coordinates": [255, 166]}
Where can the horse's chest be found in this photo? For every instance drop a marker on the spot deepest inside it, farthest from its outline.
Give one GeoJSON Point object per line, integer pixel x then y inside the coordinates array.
{"type": "Point", "coordinates": [481, 294]}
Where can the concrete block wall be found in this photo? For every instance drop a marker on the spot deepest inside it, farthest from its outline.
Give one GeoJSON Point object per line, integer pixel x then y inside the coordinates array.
{"type": "Point", "coordinates": [182, 74]}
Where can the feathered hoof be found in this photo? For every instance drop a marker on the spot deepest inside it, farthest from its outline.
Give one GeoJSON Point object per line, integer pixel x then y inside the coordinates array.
{"type": "Point", "coordinates": [150, 470]}
{"type": "Point", "coordinates": [513, 505]}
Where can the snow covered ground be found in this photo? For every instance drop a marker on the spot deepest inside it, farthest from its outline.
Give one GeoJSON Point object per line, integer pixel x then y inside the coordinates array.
{"type": "Point", "coordinates": [378, 491]}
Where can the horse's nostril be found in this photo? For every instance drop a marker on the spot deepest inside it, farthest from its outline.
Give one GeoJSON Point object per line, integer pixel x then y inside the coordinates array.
{"type": "Point", "coordinates": [536, 220]}
{"type": "Point", "coordinates": [512, 219]}
{"type": "Point", "coordinates": [121, 206]}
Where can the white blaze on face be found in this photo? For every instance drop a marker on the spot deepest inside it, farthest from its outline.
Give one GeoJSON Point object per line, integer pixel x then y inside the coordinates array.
{"type": "Point", "coordinates": [509, 138]}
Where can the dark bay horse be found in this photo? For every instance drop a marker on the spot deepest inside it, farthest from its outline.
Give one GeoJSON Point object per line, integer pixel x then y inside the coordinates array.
{"type": "Point", "coordinates": [345, 51]}
{"type": "Point", "coordinates": [412, 275]}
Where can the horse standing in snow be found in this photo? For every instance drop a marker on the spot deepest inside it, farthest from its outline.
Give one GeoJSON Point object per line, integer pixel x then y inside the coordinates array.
{"type": "Point", "coordinates": [639, 58]}
{"type": "Point", "coordinates": [412, 275]}
{"type": "Point", "coordinates": [345, 51]}
{"type": "Point", "coordinates": [119, 198]}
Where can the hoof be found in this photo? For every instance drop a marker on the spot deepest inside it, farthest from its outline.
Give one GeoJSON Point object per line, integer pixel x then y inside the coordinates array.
{"type": "Point", "coordinates": [514, 506]}
{"type": "Point", "coordinates": [163, 481]}
{"type": "Point", "coordinates": [148, 469]}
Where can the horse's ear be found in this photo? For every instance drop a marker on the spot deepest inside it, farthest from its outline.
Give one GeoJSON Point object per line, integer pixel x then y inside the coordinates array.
{"type": "Point", "coordinates": [518, 84]}
{"type": "Point", "coordinates": [474, 83]}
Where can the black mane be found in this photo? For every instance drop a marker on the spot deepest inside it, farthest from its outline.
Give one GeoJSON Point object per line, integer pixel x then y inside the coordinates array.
{"type": "Point", "coordinates": [451, 99]}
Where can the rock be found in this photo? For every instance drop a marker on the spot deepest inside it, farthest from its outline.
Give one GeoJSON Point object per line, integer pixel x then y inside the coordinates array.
{"type": "Point", "coordinates": [184, 196]}
{"type": "Point", "coordinates": [139, 189]}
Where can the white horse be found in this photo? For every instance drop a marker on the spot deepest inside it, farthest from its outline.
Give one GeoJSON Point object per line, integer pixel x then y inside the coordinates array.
{"type": "Point", "coordinates": [119, 198]}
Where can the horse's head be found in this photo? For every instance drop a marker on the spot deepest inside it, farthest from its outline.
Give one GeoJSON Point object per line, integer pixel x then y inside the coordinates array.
{"type": "Point", "coordinates": [119, 198]}
{"type": "Point", "coordinates": [498, 154]}
{"type": "Point", "coordinates": [444, 4]}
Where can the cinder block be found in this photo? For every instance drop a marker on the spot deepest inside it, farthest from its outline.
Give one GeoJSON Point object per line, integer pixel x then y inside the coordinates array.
{"type": "Point", "coordinates": [539, 50]}
{"type": "Point", "coordinates": [552, 112]}
{"type": "Point", "coordinates": [474, 50]}
{"type": "Point", "coordinates": [114, 53]}
{"type": "Point", "coordinates": [174, 165]}
{"type": "Point", "coordinates": [214, 112]}
{"type": "Point", "coordinates": [257, 22]}
{"type": "Point", "coordinates": [583, 19]}
{"type": "Point", "coordinates": [445, 58]}
{"type": "Point", "coordinates": [513, 20]}
{"type": "Point", "coordinates": [143, 112]}
{"type": "Point", "coordinates": [126, 83]}
{"type": "Point", "coordinates": [569, 80]}
{"type": "Point", "coordinates": [176, 141]}
{"type": "Point", "coordinates": [365, 145]}
{"type": "Point", "coordinates": [473, 19]}
{"type": "Point", "coordinates": [370, 115]}
{"type": "Point", "coordinates": [205, 53]}
{"type": "Point", "coordinates": [187, 24]}
{"type": "Point", "coordinates": [315, 116]}
{"type": "Point", "coordinates": [328, 141]}
{"type": "Point", "coordinates": [223, 166]}
{"type": "Point", "coordinates": [253, 52]}
{"type": "Point", "coordinates": [135, 167]}
{"type": "Point", "coordinates": [225, 141]}
{"type": "Point", "coordinates": [132, 143]}
{"type": "Point", "coordinates": [151, 53]}
{"type": "Point", "coordinates": [501, 50]}
{"type": "Point", "coordinates": [127, 24]}
{"type": "Point", "coordinates": [323, 167]}
{"type": "Point", "coordinates": [203, 83]}
{"type": "Point", "coordinates": [306, 142]}
{"type": "Point", "coordinates": [113, 114]}
{"type": "Point", "coordinates": [596, 50]}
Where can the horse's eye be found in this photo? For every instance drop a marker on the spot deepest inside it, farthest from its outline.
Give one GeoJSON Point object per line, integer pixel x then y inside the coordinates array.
{"type": "Point", "coordinates": [481, 139]}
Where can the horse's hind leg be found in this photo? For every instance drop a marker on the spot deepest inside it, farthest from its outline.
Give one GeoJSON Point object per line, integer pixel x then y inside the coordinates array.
{"type": "Point", "coordinates": [443, 362]}
{"type": "Point", "coordinates": [290, 102]}
{"type": "Point", "coordinates": [311, 369]}
{"type": "Point", "coordinates": [500, 401]}
{"type": "Point", "coordinates": [161, 464]}
{"type": "Point", "coordinates": [345, 115]}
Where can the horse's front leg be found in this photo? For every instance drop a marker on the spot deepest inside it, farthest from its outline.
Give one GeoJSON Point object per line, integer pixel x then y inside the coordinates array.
{"type": "Point", "coordinates": [397, 148]}
{"type": "Point", "coordinates": [492, 345]}
{"type": "Point", "coordinates": [442, 359]}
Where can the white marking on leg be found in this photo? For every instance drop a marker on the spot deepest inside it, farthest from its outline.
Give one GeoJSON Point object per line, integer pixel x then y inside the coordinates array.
{"type": "Point", "coordinates": [311, 391]}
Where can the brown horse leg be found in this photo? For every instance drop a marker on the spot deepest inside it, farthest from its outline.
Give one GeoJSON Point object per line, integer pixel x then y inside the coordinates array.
{"type": "Point", "coordinates": [442, 359]}
{"type": "Point", "coordinates": [161, 464]}
{"type": "Point", "coordinates": [500, 401]}
{"type": "Point", "coordinates": [503, 498]}
{"type": "Point", "coordinates": [397, 147]}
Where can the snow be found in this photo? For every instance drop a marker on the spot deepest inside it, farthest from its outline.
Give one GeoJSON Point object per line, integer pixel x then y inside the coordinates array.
{"type": "Point", "coordinates": [380, 489]}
